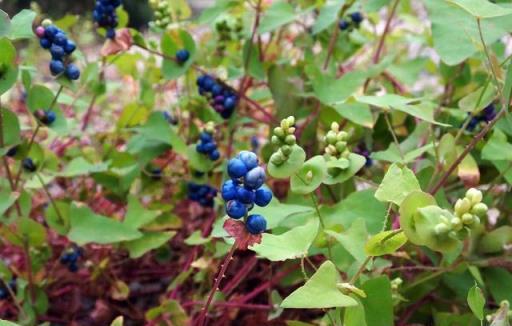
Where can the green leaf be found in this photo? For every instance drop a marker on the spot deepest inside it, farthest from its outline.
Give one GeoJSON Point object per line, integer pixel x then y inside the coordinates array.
{"type": "Point", "coordinates": [497, 148]}
{"type": "Point", "coordinates": [87, 227]}
{"type": "Point", "coordinates": [496, 240]}
{"type": "Point", "coordinates": [359, 204]}
{"type": "Point", "coordinates": [320, 291]}
{"type": "Point", "coordinates": [8, 68]}
{"type": "Point", "coordinates": [39, 98]}
{"type": "Point", "coordinates": [80, 166]}
{"type": "Point", "coordinates": [58, 222]}
{"type": "Point", "coordinates": [408, 214]}
{"type": "Point", "coordinates": [398, 182]}
{"type": "Point", "coordinates": [327, 16]}
{"type": "Point", "coordinates": [482, 8]}
{"type": "Point", "coordinates": [385, 243]}
{"type": "Point", "coordinates": [310, 176]}
{"type": "Point", "coordinates": [11, 128]}
{"type": "Point", "coordinates": [290, 166]}
{"type": "Point", "coordinates": [7, 323]}
{"type": "Point", "coordinates": [149, 241]}
{"type": "Point", "coordinates": [279, 14]}
{"type": "Point", "coordinates": [356, 112]}
{"type": "Point", "coordinates": [276, 212]}
{"type": "Point", "coordinates": [199, 161]}
{"type": "Point", "coordinates": [475, 101]}
{"type": "Point", "coordinates": [137, 215]}
{"type": "Point", "coordinates": [499, 283]}
{"type": "Point", "coordinates": [170, 44]}
{"type": "Point", "coordinates": [254, 64]}
{"type": "Point", "coordinates": [158, 129]}
{"type": "Point", "coordinates": [289, 245]}
{"type": "Point", "coordinates": [210, 13]}
{"type": "Point", "coordinates": [119, 321]}
{"type": "Point", "coordinates": [21, 25]}
{"type": "Point", "coordinates": [476, 301]}
{"type": "Point", "coordinates": [355, 316]}
{"type": "Point", "coordinates": [5, 23]}
{"type": "Point", "coordinates": [7, 198]}
{"type": "Point", "coordinates": [378, 304]}
{"type": "Point", "coordinates": [353, 239]}
{"type": "Point", "coordinates": [33, 232]}
{"type": "Point", "coordinates": [356, 163]}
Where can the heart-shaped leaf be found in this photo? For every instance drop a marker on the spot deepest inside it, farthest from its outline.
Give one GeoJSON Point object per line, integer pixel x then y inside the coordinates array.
{"type": "Point", "coordinates": [310, 176]}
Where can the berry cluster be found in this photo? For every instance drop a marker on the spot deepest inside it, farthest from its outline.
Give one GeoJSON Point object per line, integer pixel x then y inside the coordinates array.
{"type": "Point", "coordinates": [4, 292]}
{"type": "Point", "coordinates": [336, 142]}
{"type": "Point", "coordinates": [468, 212]}
{"type": "Point", "coordinates": [246, 189]}
{"type": "Point", "coordinates": [162, 13]}
{"type": "Point", "coordinates": [70, 258]}
{"type": "Point", "coordinates": [285, 139]}
{"type": "Point", "coordinates": [222, 99]}
{"type": "Point", "coordinates": [207, 144]}
{"type": "Point", "coordinates": [203, 194]}
{"type": "Point", "coordinates": [487, 114]}
{"type": "Point", "coordinates": [182, 56]}
{"type": "Point", "coordinates": [29, 165]}
{"type": "Point", "coordinates": [356, 18]}
{"type": "Point", "coordinates": [46, 117]}
{"type": "Point", "coordinates": [55, 40]}
{"type": "Point", "coordinates": [105, 16]}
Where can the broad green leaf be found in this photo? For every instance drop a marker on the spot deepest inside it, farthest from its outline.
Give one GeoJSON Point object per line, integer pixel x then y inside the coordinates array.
{"type": "Point", "coordinates": [137, 215]}
{"type": "Point", "coordinates": [409, 214]}
{"type": "Point", "coordinates": [8, 67]}
{"type": "Point", "coordinates": [158, 129]}
{"type": "Point", "coordinates": [28, 229]}
{"type": "Point", "coordinates": [5, 23]}
{"type": "Point", "coordinates": [279, 14]}
{"type": "Point", "coordinates": [496, 240]}
{"type": "Point", "coordinates": [392, 154]}
{"type": "Point", "coordinates": [476, 301]}
{"type": "Point", "coordinates": [196, 239]}
{"type": "Point", "coordinates": [59, 222]}
{"type": "Point", "coordinates": [88, 227]}
{"type": "Point", "coordinates": [356, 112]}
{"type": "Point", "coordinates": [499, 283]}
{"type": "Point", "coordinates": [378, 304]}
{"type": "Point", "coordinates": [385, 243]}
{"type": "Point", "coordinates": [133, 114]}
{"type": "Point", "coordinates": [255, 66]}
{"type": "Point", "coordinates": [355, 315]}
{"type": "Point", "coordinates": [353, 239]}
{"type": "Point", "coordinates": [455, 31]}
{"type": "Point", "coordinates": [170, 44]}
{"type": "Point", "coordinates": [426, 220]}
{"type": "Point", "coordinates": [289, 245]}
{"type": "Point", "coordinates": [290, 166]}
{"type": "Point", "coordinates": [11, 128]}
{"type": "Point", "coordinates": [199, 161]}
{"type": "Point", "coordinates": [80, 166]}
{"type": "Point", "coordinates": [21, 25]}
{"type": "Point", "coordinates": [310, 176]}
{"type": "Point", "coordinates": [149, 241]}
{"type": "Point", "coordinates": [497, 148]}
{"type": "Point", "coordinates": [398, 182]}
{"type": "Point", "coordinates": [482, 8]}
{"type": "Point", "coordinates": [356, 163]}
{"type": "Point", "coordinates": [209, 14]}
{"type": "Point", "coordinates": [39, 98]}
{"type": "Point", "coordinates": [359, 204]}
{"type": "Point", "coordinates": [328, 15]}
{"type": "Point", "coordinates": [320, 291]}
{"type": "Point", "coordinates": [276, 212]}
{"type": "Point", "coordinates": [475, 101]}
{"type": "Point", "coordinates": [7, 198]}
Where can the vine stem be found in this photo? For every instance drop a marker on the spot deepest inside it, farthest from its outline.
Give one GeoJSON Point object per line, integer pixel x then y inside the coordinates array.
{"type": "Point", "coordinates": [334, 36]}
{"type": "Point", "coordinates": [50, 197]}
{"type": "Point", "coordinates": [320, 218]}
{"type": "Point", "coordinates": [219, 277]}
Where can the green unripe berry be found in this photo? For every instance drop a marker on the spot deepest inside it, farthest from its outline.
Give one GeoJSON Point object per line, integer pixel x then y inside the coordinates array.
{"type": "Point", "coordinates": [279, 132]}
{"type": "Point", "coordinates": [47, 22]}
{"type": "Point", "coordinates": [468, 219]}
{"type": "Point", "coordinates": [342, 135]}
{"type": "Point", "coordinates": [441, 228]}
{"type": "Point", "coordinates": [275, 141]}
{"type": "Point", "coordinates": [332, 149]}
{"type": "Point", "coordinates": [456, 223]}
{"type": "Point", "coordinates": [341, 146]}
{"type": "Point", "coordinates": [480, 210]}
{"type": "Point", "coordinates": [291, 120]}
{"type": "Point", "coordinates": [462, 206]}
{"type": "Point", "coordinates": [335, 127]}
{"type": "Point", "coordinates": [286, 150]}
{"type": "Point", "coordinates": [330, 138]}
{"type": "Point", "coordinates": [291, 130]}
{"type": "Point", "coordinates": [474, 196]}
{"type": "Point", "coordinates": [284, 124]}
{"type": "Point", "coordinates": [277, 159]}
{"type": "Point", "coordinates": [290, 140]}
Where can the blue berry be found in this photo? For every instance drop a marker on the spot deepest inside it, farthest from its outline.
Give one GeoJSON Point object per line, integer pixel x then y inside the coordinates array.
{"type": "Point", "coordinates": [255, 178]}
{"type": "Point", "coordinates": [105, 16]}
{"type": "Point", "coordinates": [236, 168]}
{"type": "Point", "coordinates": [111, 33]}
{"type": "Point", "coordinates": [343, 24]}
{"type": "Point", "coordinates": [236, 209]}
{"type": "Point", "coordinates": [230, 103]}
{"type": "Point", "coordinates": [256, 224]}
{"type": "Point", "coordinates": [60, 39]}
{"type": "Point", "coordinates": [57, 52]}
{"type": "Point", "coordinates": [12, 151]}
{"type": "Point", "coordinates": [205, 137]}
{"type": "Point", "coordinates": [48, 117]}
{"type": "Point", "coordinates": [72, 72]}
{"type": "Point", "coordinates": [28, 165]}
{"type": "Point", "coordinates": [244, 195]}
{"type": "Point", "coordinates": [228, 190]}
{"type": "Point", "coordinates": [70, 47]}
{"type": "Point", "coordinates": [263, 197]}
{"type": "Point", "coordinates": [214, 155]}
{"type": "Point", "coordinates": [210, 147]}
{"type": "Point", "coordinates": [356, 17]}
{"type": "Point", "coordinates": [204, 194]}
{"type": "Point", "coordinates": [4, 294]}
{"type": "Point", "coordinates": [56, 67]}
{"type": "Point", "coordinates": [182, 56]}
{"type": "Point", "coordinates": [249, 158]}
{"type": "Point", "coordinates": [50, 32]}
{"type": "Point", "coordinates": [217, 90]}
{"type": "Point", "coordinates": [45, 43]}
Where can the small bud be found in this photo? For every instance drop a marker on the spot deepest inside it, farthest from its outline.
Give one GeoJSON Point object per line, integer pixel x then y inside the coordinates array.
{"type": "Point", "coordinates": [291, 130]}
{"type": "Point", "coordinates": [291, 120]}
{"type": "Point", "coordinates": [462, 206]}
{"type": "Point", "coordinates": [284, 124]}
{"type": "Point", "coordinates": [277, 158]}
{"type": "Point", "coordinates": [480, 209]}
{"type": "Point", "coordinates": [342, 135]}
{"type": "Point", "coordinates": [335, 127]}
{"type": "Point", "coordinates": [441, 228]}
{"type": "Point", "coordinates": [47, 22]}
{"type": "Point", "coordinates": [456, 223]}
{"type": "Point", "coordinates": [467, 219]}
{"type": "Point", "coordinates": [290, 140]}
{"type": "Point", "coordinates": [309, 176]}
{"type": "Point", "coordinates": [279, 132]}
{"type": "Point", "coordinates": [474, 196]}
{"type": "Point", "coordinates": [330, 138]}
{"type": "Point", "coordinates": [341, 146]}
{"type": "Point", "coordinates": [286, 150]}
{"type": "Point", "coordinates": [332, 149]}
{"type": "Point", "coordinates": [275, 141]}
